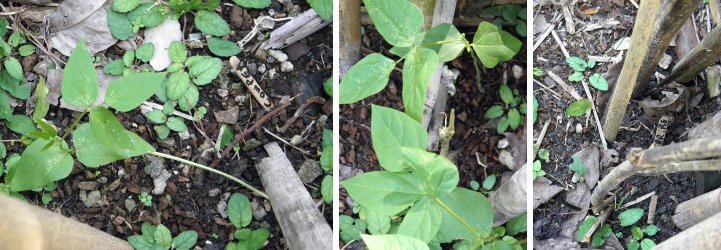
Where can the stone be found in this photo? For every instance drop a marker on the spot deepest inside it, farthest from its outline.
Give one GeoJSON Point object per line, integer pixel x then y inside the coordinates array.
{"type": "Point", "coordinates": [161, 36]}
{"type": "Point", "coordinates": [130, 205]}
{"type": "Point", "coordinates": [88, 185]}
{"type": "Point", "coordinates": [156, 170]}
{"type": "Point", "coordinates": [240, 99]}
{"type": "Point", "coordinates": [252, 144]}
{"type": "Point", "coordinates": [261, 68]}
{"type": "Point", "coordinates": [227, 116]}
{"type": "Point", "coordinates": [503, 143]}
{"type": "Point", "coordinates": [185, 135]}
{"type": "Point", "coordinates": [258, 210]}
{"type": "Point", "coordinates": [296, 50]}
{"type": "Point", "coordinates": [665, 61]}
{"type": "Point", "coordinates": [91, 199]}
{"type": "Point", "coordinates": [214, 192]}
{"type": "Point", "coordinates": [272, 73]}
{"type": "Point", "coordinates": [119, 220]}
{"type": "Point", "coordinates": [278, 55]}
{"type": "Point", "coordinates": [309, 171]}
{"type": "Point", "coordinates": [286, 67]}
{"type": "Point", "coordinates": [223, 93]}
{"type": "Point", "coordinates": [506, 159]}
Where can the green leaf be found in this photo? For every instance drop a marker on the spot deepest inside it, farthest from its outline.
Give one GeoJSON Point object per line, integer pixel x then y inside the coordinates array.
{"type": "Point", "coordinates": [328, 86]}
{"type": "Point", "coordinates": [473, 207]}
{"type": "Point", "coordinates": [517, 225]}
{"type": "Point", "coordinates": [93, 154]}
{"type": "Point", "coordinates": [598, 82]}
{"type": "Point", "coordinates": [326, 189]}
{"type": "Point", "coordinates": [211, 23]}
{"type": "Point", "coordinates": [13, 87]}
{"type": "Point", "coordinates": [350, 229]}
{"type": "Point", "coordinates": [190, 99]}
{"type": "Point", "coordinates": [129, 92]}
{"type": "Point", "coordinates": [494, 112]}
{"type": "Point", "coordinates": [544, 154]}
{"type": "Point", "coordinates": [599, 237]}
{"type": "Point", "coordinates": [148, 231]}
{"type": "Point", "coordinates": [378, 223]}
{"type": "Point", "coordinates": [20, 124]}
{"type": "Point", "coordinates": [124, 6]}
{"type": "Point", "coordinates": [578, 108]}
{"type": "Point", "coordinates": [324, 8]}
{"type": "Point", "coordinates": [489, 182]}
{"type": "Point", "coordinates": [399, 22]}
{"type": "Point", "coordinates": [576, 63]}
{"type": "Point", "coordinates": [42, 106]}
{"type": "Point", "coordinates": [436, 172]}
{"type": "Point", "coordinates": [577, 166]}
{"type": "Point", "coordinates": [163, 131]}
{"type": "Point", "coordinates": [138, 242]}
{"type": "Point", "coordinates": [46, 198]}
{"type": "Point", "coordinates": [26, 50]}
{"type": "Point", "coordinates": [651, 230]}
{"type": "Point", "coordinates": [115, 67]}
{"type": "Point", "coordinates": [206, 70]}
{"type": "Point", "coordinates": [145, 52]}
{"type": "Point", "coordinates": [254, 4]}
{"type": "Point", "coordinates": [177, 52]}
{"type": "Point", "coordinates": [177, 84]}
{"type": "Point", "coordinates": [591, 63]}
{"type": "Point", "coordinates": [222, 47]}
{"type": "Point", "coordinates": [119, 25]}
{"type": "Point", "coordinates": [475, 185]}
{"type": "Point", "coordinates": [176, 124]}
{"type": "Point", "coordinates": [367, 77]}
{"type": "Point", "coordinates": [257, 239]}
{"type": "Point", "coordinates": [493, 45]}
{"type": "Point", "coordinates": [384, 191]}
{"type": "Point", "coordinates": [326, 158]}
{"type": "Point", "coordinates": [585, 226]}
{"type": "Point", "coordinates": [647, 244]}
{"type": "Point", "coordinates": [108, 130]}
{"type": "Point", "coordinates": [445, 32]}
{"type": "Point", "coordinates": [633, 245]}
{"type": "Point", "coordinates": [576, 76]}
{"type": "Point", "coordinates": [162, 236]}
{"type": "Point", "coordinates": [37, 167]}
{"type": "Point", "coordinates": [13, 67]}
{"type": "Point", "coordinates": [6, 110]}
{"type": "Point", "coordinates": [79, 86]}
{"type": "Point", "coordinates": [16, 39]}
{"type": "Point", "coordinates": [535, 109]}
{"type": "Point", "coordinates": [239, 211]}
{"type": "Point", "coordinates": [392, 130]}
{"type": "Point", "coordinates": [3, 153]}
{"type": "Point", "coordinates": [392, 241]}
{"type": "Point", "coordinates": [630, 216]}
{"type": "Point", "coordinates": [514, 118]}
{"type": "Point", "coordinates": [502, 125]}
{"type": "Point", "coordinates": [506, 94]}
{"type": "Point", "coordinates": [128, 58]}
{"type": "Point", "coordinates": [636, 232]}
{"type": "Point", "coordinates": [148, 14]}
{"type": "Point", "coordinates": [498, 245]}
{"type": "Point", "coordinates": [422, 221]}
{"type": "Point", "coordinates": [418, 69]}
{"type": "Point", "coordinates": [185, 240]}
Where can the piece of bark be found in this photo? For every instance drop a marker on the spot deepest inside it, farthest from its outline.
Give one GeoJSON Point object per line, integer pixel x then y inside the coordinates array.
{"type": "Point", "coordinates": [509, 200]}
{"type": "Point", "coordinates": [25, 226]}
{"type": "Point", "coordinates": [693, 211]}
{"type": "Point", "coordinates": [300, 27]}
{"type": "Point", "coordinates": [543, 191]}
{"type": "Point", "coordinates": [302, 224]}
{"type": "Point", "coordinates": [702, 56]}
{"type": "Point", "coordinates": [702, 236]}
{"type": "Point", "coordinates": [709, 128]}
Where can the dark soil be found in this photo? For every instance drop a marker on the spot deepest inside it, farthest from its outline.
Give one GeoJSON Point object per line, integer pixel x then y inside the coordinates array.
{"type": "Point", "coordinates": [186, 203]}
{"type": "Point", "coordinates": [473, 134]}
{"type": "Point", "coordinates": [637, 130]}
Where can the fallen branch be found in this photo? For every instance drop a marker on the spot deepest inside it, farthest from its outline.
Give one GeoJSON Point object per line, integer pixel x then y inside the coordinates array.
{"type": "Point", "coordinates": [300, 27]}
{"type": "Point", "coordinates": [692, 155]}
{"type": "Point", "coordinates": [693, 211]}
{"type": "Point", "coordinates": [256, 125]}
{"type": "Point", "coordinates": [702, 236]}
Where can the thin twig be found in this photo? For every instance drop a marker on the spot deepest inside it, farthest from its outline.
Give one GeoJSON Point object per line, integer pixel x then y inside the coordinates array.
{"type": "Point", "coordinates": [570, 90]}
{"type": "Point", "coordinates": [639, 199]}
{"type": "Point", "coordinates": [245, 133]}
{"type": "Point", "coordinates": [595, 115]}
{"type": "Point", "coordinates": [286, 142]}
{"type": "Point", "coordinates": [299, 112]}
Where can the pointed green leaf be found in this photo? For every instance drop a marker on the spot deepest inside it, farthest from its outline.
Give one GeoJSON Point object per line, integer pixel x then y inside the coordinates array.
{"type": "Point", "coordinates": [598, 82]}
{"type": "Point", "coordinates": [42, 106]}
{"type": "Point", "coordinates": [13, 86]}
{"type": "Point", "coordinates": [79, 86]}
{"type": "Point", "coordinates": [422, 221]}
{"type": "Point", "coordinates": [93, 154]}
{"type": "Point", "coordinates": [326, 189]}
{"type": "Point", "coordinates": [493, 45]}
{"type": "Point", "coordinates": [493, 112]}
{"type": "Point", "coordinates": [324, 8]}
{"type": "Point", "coordinates": [367, 77]}
{"type": "Point", "coordinates": [162, 236]}
{"type": "Point", "coordinates": [514, 118]}
{"type": "Point", "coordinates": [5, 110]}
{"type": "Point", "coordinates": [128, 92]}
{"type": "Point", "coordinates": [473, 207]}
{"type": "Point", "coordinates": [124, 6]}
{"type": "Point", "coordinates": [392, 130]}
{"type": "Point", "coordinates": [445, 32]}
{"type": "Point", "coordinates": [383, 191]}
{"type": "Point", "coordinates": [576, 63]}
{"type": "Point", "coordinates": [434, 171]}
{"type": "Point", "coordinates": [190, 99]}
{"type": "Point", "coordinates": [37, 167]}
{"type": "Point", "coordinates": [393, 241]}
{"type": "Point", "coordinates": [13, 67]}
{"type": "Point", "coordinates": [418, 69]}
{"type": "Point", "coordinates": [253, 4]}
{"type": "Point", "coordinates": [399, 22]}
{"type": "Point", "coordinates": [630, 216]}
{"type": "Point", "coordinates": [177, 52]}
{"type": "Point", "coordinates": [20, 124]}
{"type": "Point", "coordinates": [156, 116]}
{"type": "Point", "coordinates": [578, 108]}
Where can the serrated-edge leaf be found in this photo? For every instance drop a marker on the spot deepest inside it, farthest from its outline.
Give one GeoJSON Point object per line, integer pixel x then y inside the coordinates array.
{"type": "Point", "coordinates": [630, 216]}
{"type": "Point", "coordinates": [240, 212]}
{"type": "Point", "coordinates": [222, 47]}
{"type": "Point", "coordinates": [211, 23]}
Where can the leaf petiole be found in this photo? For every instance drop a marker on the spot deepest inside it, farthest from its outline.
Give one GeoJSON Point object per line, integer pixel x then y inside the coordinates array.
{"type": "Point", "coordinates": [75, 123]}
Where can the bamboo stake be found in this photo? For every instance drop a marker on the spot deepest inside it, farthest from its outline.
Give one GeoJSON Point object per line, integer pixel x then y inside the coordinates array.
{"type": "Point", "coordinates": [350, 38]}
{"type": "Point", "coordinates": [702, 236]}
{"type": "Point", "coordinates": [671, 18]}
{"type": "Point", "coordinates": [427, 7]}
{"type": "Point", "coordinates": [693, 211]}
{"type": "Point", "coordinates": [714, 9]}
{"type": "Point", "coordinates": [25, 226]}
{"type": "Point", "coordinates": [702, 56]}
{"type": "Point", "coordinates": [637, 54]}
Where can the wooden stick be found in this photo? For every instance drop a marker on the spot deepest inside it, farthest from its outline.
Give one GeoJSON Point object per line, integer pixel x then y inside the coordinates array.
{"type": "Point", "coordinates": [693, 211]}
{"type": "Point", "coordinates": [714, 9]}
{"type": "Point", "coordinates": [350, 38]}
{"type": "Point", "coordinates": [702, 56]}
{"type": "Point", "coordinates": [703, 236]}
{"type": "Point", "coordinates": [639, 199]}
{"type": "Point", "coordinates": [302, 224]}
{"type": "Point", "coordinates": [671, 18]}
{"type": "Point", "coordinates": [652, 209]}
{"type": "Point", "coordinates": [641, 38]}
{"type": "Point", "coordinates": [25, 226]}
{"type": "Point", "coordinates": [247, 132]}
{"type": "Point", "coordinates": [599, 127]}
{"type": "Point", "coordinates": [570, 90]}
